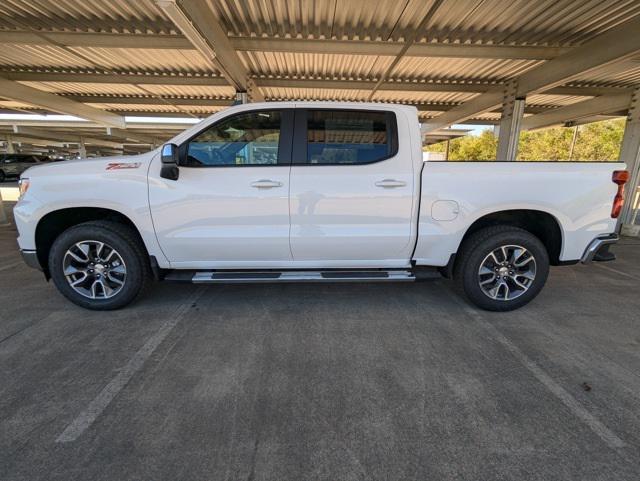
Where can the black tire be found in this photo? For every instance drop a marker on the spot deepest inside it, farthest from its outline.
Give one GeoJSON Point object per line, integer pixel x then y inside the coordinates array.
{"type": "Point", "coordinates": [2, 176]}
{"type": "Point", "coordinates": [481, 244]}
{"type": "Point", "coordinates": [124, 241]}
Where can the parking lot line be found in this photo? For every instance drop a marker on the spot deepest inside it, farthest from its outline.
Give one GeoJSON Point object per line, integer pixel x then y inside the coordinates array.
{"type": "Point", "coordinates": [608, 436]}
{"type": "Point", "coordinates": [10, 266]}
{"type": "Point", "coordinates": [617, 271]}
{"type": "Point", "coordinates": [80, 424]}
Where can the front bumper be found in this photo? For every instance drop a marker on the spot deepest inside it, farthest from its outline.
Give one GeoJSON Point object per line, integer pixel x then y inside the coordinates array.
{"type": "Point", "coordinates": [599, 245]}
{"type": "Point", "coordinates": [31, 259]}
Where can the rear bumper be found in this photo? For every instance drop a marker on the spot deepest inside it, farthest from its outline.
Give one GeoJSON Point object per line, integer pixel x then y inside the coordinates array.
{"type": "Point", "coordinates": [31, 259]}
{"type": "Point", "coordinates": [600, 243]}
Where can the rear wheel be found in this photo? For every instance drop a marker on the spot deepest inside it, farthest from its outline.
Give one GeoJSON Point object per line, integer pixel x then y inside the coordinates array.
{"type": "Point", "coordinates": [501, 268]}
{"type": "Point", "coordinates": [99, 265]}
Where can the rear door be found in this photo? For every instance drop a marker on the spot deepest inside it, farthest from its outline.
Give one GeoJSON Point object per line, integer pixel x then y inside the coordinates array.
{"type": "Point", "coordinates": [352, 188]}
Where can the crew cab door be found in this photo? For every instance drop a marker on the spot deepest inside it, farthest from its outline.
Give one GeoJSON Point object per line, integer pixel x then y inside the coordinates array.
{"type": "Point", "coordinates": [230, 205]}
{"type": "Point", "coordinates": [352, 188]}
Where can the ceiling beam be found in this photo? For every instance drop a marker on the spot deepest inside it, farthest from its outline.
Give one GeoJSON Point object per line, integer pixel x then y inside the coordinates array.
{"type": "Point", "coordinates": [124, 78]}
{"type": "Point", "coordinates": [613, 46]}
{"type": "Point", "coordinates": [62, 137]}
{"type": "Point", "coordinates": [480, 104]}
{"type": "Point", "coordinates": [29, 95]}
{"type": "Point", "coordinates": [275, 44]}
{"type": "Point", "coordinates": [588, 108]}
{"type": "Point", "coordinates": [96, 39]}
{"type": "Point", "coordinates": [125, 135]}
{"type": "Point", "coordinates": [373, 47]}
{"type": "Point", "coordinates": [408, 86]}
{"type": "Point", "coordinates": [112, 99]}
{"type": "Point", "coordinates": [78, 124]}
{"type": "Point", "coordinates": [200, 26]}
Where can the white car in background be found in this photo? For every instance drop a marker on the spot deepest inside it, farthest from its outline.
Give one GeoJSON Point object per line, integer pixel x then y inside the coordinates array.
{"type": "Point", "coordinates": [312, 192]}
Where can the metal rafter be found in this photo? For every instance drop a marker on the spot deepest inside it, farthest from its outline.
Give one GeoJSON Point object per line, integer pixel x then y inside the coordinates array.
{"type": "Point", "coordinates": [29, 95]}
{"type": "Point", "coordinates": [598, 105]}
{"type": "Point", "coordinates": [62, 137]}
{"type": "Point", "coordinates": [613, 46]}
{"type": "Point", "coordinates": [277, 44]}
{"type": "Point", "coordinates": [201, 27]}
{"type": "Point", "coordinates": [413, 35]}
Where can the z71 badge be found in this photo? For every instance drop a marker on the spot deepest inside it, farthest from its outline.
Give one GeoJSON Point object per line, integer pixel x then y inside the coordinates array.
{"type": "Point", "coordinates": [123, 165]}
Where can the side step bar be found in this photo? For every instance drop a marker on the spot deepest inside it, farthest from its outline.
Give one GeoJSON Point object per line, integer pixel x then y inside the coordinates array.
{"type": "Point", "coordinates": [242, 277]}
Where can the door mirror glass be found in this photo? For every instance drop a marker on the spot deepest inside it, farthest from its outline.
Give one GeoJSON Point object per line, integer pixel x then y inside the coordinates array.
{"type": "Point", "coordinates": [169, 154]}
{"type": "Point", "coordinates": [169, 158]}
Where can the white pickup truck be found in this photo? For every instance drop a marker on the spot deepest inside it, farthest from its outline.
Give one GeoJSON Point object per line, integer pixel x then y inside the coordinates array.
{"type": "Point", "coordinates": [311, 192]}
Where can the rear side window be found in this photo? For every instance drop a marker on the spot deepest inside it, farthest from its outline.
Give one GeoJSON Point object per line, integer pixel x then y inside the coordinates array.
{"type": "Point", "coordinates": [250, 138]}
{"type": "Point", "coordinates": [351, 137]}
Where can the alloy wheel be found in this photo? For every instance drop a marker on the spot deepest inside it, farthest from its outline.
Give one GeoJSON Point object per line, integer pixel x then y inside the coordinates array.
{"type": "Point", "coordinates": [507, 272]}
{"type": "Point", "coordinates": [94, 269]}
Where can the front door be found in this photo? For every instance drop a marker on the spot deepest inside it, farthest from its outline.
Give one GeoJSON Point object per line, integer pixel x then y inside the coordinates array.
{"type": "Point", "coordinates": [352, 189]}
{"type": "Point", "coordinates": [229, 207]}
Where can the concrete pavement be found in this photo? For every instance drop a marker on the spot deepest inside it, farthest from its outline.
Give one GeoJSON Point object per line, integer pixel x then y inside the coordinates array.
{"type": "Point", "coordinates": [322, 382]}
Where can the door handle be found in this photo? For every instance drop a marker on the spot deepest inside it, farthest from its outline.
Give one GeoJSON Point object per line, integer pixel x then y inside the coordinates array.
{"type": "Point", "coordinates": [390, 183]}
{"type": "Point", "coordinates": [266, 184]}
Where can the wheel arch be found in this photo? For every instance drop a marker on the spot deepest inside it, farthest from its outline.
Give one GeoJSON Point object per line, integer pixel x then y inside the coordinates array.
{"type": "Point", "coordinates": [543, 225]}
{"type": "Point", "coordinates": [54, 223]}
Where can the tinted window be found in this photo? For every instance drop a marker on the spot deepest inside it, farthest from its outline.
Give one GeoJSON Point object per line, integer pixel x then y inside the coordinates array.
{"type": "Point", "coordinates": [245, 139]}
{"type": "Point", "coordinates": [348, 137]}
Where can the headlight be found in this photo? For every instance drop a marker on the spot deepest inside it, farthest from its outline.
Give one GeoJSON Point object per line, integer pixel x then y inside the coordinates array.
{"type": "Point", "coordinates": [23, 185]}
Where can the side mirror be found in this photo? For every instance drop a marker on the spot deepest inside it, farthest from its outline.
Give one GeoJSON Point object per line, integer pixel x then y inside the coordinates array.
{"type": "Point", "coordinates": [169, 158]}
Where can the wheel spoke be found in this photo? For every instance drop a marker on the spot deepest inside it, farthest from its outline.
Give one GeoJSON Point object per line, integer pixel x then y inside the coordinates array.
{"type": "Point", "coordinates": [524, 262]}
{"type": "Point", "coordinates": [94, 269]}
{"type": "Point", "coordinates": [507, 272]}
{"type": "Point", "coordinates": [119, 269]}
{"type": "Point", "coordinates": [111, 277]}
{"type": "Point", "coordinates": [71, 270]}
{"type": "Point", "coordinates": [518, 283]}
{"type": "Point", "coordinates": [491, 279]}
{"type": "Point", "coordinates": [79, 281]}
{"type": "Point", "coordinates": [517, 253]}
{"type": "Point", "coordinates": [77, 257]}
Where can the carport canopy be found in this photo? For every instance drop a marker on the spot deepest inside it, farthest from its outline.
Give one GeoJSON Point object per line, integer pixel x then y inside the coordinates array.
{"type": "Point", "coordinates": [519, 64]}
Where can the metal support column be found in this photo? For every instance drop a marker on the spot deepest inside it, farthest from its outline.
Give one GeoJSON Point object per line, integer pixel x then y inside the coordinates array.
{"type": "Point", "coordinates": [3, 215]}
{"type": "Point", "coordinates": [10, 149]}
{"type": "Point", "coordinates": [509, 132]}
{"type": "Point", "coordinates": [82, 150]}
{"type": "Point", "coordinates": [630, 155]}
{"type": "Point", "coordinates": [241, 98]}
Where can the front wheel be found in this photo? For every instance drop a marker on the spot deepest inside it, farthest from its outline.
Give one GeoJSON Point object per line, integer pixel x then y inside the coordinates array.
{"type": "Point", "coordinates": [502, 268]}
{"type": "Point", "coordinates": [99, 265]}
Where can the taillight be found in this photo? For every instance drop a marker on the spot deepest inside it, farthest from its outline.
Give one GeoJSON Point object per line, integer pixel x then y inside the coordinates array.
{"type": "Point", "coordinates": [620, 177]}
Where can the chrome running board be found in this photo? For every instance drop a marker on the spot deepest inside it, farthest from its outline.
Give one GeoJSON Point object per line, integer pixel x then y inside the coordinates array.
{"type": "Point", "coordinates": [242, 277]}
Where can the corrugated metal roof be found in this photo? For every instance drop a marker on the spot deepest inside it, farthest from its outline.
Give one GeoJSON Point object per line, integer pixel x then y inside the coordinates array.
{"type": "Point", "coordinates": [553, 23]}
{"type": "Point", "coordinates": [478, 69]}
{"type": "Point", "coordinates": [141, 16]}
{"type": "Point", "coordinates": [277, 64]}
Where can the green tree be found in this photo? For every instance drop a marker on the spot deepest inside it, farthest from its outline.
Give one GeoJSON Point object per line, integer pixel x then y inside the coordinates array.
{"type": "Point", "coordinates": [595, 141]}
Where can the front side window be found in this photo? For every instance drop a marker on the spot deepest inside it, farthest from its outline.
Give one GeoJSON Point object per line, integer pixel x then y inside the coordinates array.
{"type": "Point", "coordinates": [245, 139]}
{"type": "Point", "coordinates": [349, 136]}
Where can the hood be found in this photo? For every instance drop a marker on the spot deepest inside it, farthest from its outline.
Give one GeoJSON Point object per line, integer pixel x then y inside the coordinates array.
{"type": "Point", "coordinates": [95, 165]}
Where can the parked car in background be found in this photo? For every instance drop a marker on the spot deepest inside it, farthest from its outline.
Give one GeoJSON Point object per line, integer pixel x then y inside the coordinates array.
{"type": "Point", "coordinates": [13, 165]}
{"type": "Point", "coordinates": [312, 192]}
